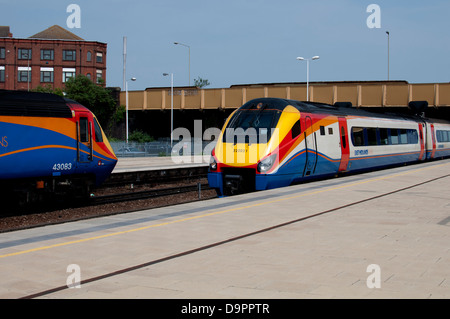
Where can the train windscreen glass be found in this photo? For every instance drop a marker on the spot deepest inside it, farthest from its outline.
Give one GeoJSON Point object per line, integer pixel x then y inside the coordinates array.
{"type": "Point", "coordinates": [251, 126]}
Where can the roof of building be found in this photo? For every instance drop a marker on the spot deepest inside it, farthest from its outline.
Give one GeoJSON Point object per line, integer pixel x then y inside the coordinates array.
{"type": "Point", "coordinates": [56, 32]}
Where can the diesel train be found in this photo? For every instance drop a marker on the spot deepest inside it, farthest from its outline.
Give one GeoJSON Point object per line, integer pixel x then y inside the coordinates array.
{"type": "Point", "coordinates": [270, 142]}
{"type": "Point", "coordinates": [49, 145]}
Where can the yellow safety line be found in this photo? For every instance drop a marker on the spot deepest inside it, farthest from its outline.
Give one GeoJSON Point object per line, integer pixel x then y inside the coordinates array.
{"type": "Point", "coordinates": [220, 212]}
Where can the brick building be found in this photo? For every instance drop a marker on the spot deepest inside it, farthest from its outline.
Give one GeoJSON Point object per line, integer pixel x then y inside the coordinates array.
{"type": "Point", "coordinates": [49, 58]}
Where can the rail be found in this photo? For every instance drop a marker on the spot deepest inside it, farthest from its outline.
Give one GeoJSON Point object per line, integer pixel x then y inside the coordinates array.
{"type": "Point", "coordinates": [147, 194]}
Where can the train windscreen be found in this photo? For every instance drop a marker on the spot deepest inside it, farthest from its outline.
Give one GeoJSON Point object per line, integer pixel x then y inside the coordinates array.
{"type": "Point", "coordinates": [252, 125]}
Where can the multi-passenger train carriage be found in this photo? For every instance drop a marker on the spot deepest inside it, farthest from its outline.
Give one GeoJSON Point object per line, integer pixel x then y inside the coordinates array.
{"type": "Point", "coordinates": [269, 143]}
{"type": "Point", "coordinates": [50, 145]}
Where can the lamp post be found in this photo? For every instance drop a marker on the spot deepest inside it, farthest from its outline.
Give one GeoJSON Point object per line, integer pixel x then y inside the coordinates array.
{"type": "Point", "coordinates": [28, 70]}
{"type": "Point", "coordinates": [126, 113]}
{"type": "Point", "coordinates": [171, 107]}
{"type": "Point", "coordinates": [187, 46]}
{"type": "Point", "coordinates": [388, 35]}
{"type": "Point", "coordinates": [307, 72]}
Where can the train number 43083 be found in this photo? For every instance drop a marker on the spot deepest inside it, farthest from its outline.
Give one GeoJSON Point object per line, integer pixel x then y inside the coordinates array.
{"type": "Point", "coordinates": [62, 167]}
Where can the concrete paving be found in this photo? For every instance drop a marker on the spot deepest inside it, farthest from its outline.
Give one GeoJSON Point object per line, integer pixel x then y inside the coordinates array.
{"type": "Point", "coordinates": [383, 234]}
{"type": "Point", "coordinates": [133, 164]}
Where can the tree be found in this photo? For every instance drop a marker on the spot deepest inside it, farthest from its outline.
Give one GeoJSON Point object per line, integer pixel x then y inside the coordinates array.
{"type": "Point", "coordinates": [96, 98]}
{"type": "Point", "coordinates": [200, 83]}
{"type": "Point", "coordinates": [48, 89]}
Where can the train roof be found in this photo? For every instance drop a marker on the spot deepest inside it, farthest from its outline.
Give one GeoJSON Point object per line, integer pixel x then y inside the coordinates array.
{"type": "Point", "coordinates": [36, 104]}
{"type": "Point", "coordinates": [339, 109]}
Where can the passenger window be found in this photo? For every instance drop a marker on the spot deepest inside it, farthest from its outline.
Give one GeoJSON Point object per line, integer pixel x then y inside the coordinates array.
{"type": "Point", "coordinates": [394, 136]}
{"type": "Point", "coordinates": [403, 136]}
{"type": "Point", "coordinates": [413, 137]}
{"type": "Point", "coordinates": [372, 136]}
{"type": "Point", "coordinates": [330, 131]}
{"type": "Point", "coordinates": [384, 140]}
{"type": "Point", "coordinates": [84, 130]}
{"type": "Point", "coordinates": [358, 136]}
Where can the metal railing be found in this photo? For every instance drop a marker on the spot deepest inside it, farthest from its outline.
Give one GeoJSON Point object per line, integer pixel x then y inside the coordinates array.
{"type": "Point", "coordinates": [160, 148]}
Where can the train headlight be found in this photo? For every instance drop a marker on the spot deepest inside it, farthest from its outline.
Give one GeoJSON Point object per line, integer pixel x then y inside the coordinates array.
{"type": "Point", "coordinates": [267, 163]}
{"type": "Point", "coordinates": [212, 163]}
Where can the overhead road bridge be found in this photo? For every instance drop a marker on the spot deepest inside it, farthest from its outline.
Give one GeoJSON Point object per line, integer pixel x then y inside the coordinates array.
{"type": "Point", "coordinates": [360, 94]}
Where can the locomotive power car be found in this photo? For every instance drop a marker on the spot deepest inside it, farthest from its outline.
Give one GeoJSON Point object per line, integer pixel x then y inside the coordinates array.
{"type": "Point", "coordinates": [270, 142]}
{"type": "Point", "coordinates": [49, 145]}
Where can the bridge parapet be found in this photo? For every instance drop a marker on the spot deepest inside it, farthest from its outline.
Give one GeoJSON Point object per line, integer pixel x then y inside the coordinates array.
{"type": "Point", "coordinates": [360, 94]}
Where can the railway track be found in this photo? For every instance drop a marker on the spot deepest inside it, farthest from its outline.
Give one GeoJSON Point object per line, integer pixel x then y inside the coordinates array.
{"type": "Point", "coordinates": [146, 194]}
{"type": "Point", "coordinates": [121, 193]}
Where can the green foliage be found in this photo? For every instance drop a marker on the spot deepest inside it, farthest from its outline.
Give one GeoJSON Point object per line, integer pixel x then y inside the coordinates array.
{"type": "Point", "coordinates": [200, 83]}
{"type": "Point", "coordinates": [119, 114]}
{"type": "Point", "coordinates": [96, 98]}
{"type": "Point", "coordinates": [48, 89]}
{"type": "Point", "coordinates": [140, 137]}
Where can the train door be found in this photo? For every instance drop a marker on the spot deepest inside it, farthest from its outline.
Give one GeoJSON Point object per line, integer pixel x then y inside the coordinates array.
{"type": "Point", "coordinates": [311, 147]}
{"type": "Point", "coordinates": [433, 140]}
{"type": "Point", "coordinates": [84, 134]}
{"type": "Point", "coordinates": [422, 155]}
{"type": "Point", "coordinates": [345, 147]}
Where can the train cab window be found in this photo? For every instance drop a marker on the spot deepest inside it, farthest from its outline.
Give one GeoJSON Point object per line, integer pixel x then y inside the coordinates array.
{"type": "Point", "coordinates": [98, 131]}
{"type": "Point", "coordinates": [84, 130]}
{"type": "Point", "coordinates": [296, 129]}
{"type": "Point", "coordinates": [330, 131]}
{"type": "Point", "coordinates": [322, 130]}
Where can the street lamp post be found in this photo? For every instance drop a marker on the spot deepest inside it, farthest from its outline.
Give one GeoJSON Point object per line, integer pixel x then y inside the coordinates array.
{"type": "Point", "coordinates": [126, 113]}
{"type": "Point", "coordinates": [171, 107]}
{"type": "Point", "coordinates": [388, 35]}
{"type": "Point", "coordinates": [307, 73]}
{"type": "Point", "coordinates": [187, 46]}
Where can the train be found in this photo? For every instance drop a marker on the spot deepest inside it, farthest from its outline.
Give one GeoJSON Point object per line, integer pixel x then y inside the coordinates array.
{"type": "Point", "coordinates": [50, 147]}
{"type": "Point", "coordinates": [270, 142]}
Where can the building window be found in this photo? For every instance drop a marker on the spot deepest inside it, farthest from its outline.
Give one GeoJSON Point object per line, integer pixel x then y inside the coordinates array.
{"type": "Point", "coordinates": [68, 73]}
{"type": "Point", "coordinates": [99, 76]}
{"type": "Point", "coordinates": [47, 55]}
{"type": "Point", "coordinates": [2, 53]}
{"type": "Point", "coordinates": [24, 54]}
{"type": "Point", "coordinates": [46, 75]}
{"type": "Point", "coordinates": [2, 74]}
{"type": "Point", "coordinates": [89, 56]}
{"type": "Point", "coordinates": [69, 55]}
{"type": "Point", "coordinates": [88, 76]}
{"type": "Point", "coordinates": [99, 57]}
{"type": "Point", "coordinates": [24, 74]}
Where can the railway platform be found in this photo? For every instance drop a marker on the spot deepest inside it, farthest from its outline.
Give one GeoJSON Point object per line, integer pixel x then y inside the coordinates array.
{"type": "Point", "coordinates": [136, 164]}
{"type": "Point", "coordinates": [383, 234]}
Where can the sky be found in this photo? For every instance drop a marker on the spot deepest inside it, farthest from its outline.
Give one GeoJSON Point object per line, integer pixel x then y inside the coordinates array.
{"type": "Point", "coordinates": [253, 41]}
